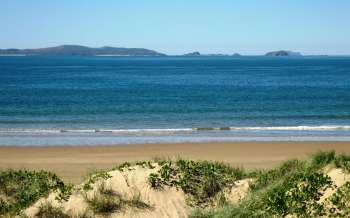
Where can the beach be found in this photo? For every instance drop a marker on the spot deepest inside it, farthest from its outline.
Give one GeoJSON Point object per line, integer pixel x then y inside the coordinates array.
{"type": "Point", "coordinates": [72, 163]}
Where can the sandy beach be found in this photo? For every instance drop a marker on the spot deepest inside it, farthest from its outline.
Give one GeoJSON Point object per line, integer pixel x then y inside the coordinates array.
{"type": "Point", "coordinates": [72, 163]}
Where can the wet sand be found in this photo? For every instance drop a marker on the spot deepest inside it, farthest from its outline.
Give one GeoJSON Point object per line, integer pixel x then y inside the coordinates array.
{"type": "Point", "coordinates": [73, 163]}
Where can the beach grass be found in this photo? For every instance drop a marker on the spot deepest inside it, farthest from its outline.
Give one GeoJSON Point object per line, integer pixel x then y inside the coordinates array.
{"type": "Point", "coordinates": [21, 188]}
{"type": "Point", "coordinates": [200, 180]}
{"type": "Point", "coordinates": [105, 201]}
{"type": "Point", "coordinates": [49, 211]}
{"type": "Point", "coordinates": [295, 187]}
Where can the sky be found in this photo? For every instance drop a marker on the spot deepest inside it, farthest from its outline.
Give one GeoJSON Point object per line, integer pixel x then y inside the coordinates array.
{"type": "Point", "coordinates": [176, 27]}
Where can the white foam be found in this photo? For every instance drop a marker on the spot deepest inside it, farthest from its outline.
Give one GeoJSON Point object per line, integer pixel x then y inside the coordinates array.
{"type": "Point", "coordinates": [79, 130]}
{"type": "Point", "coordinates": [145, 130]}
{"type": "Point", "coordinates": [180, 130]}
{"type": "Point", "coordinates": [294, 128]}
{"type": "Point", "coordinates": [30, 131]}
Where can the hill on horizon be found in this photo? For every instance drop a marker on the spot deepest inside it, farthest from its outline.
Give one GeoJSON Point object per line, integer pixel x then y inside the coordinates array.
{"type": "Point", "coordinates": [284, 53]}
{"type": "Point", "coordinates": [82, 50]}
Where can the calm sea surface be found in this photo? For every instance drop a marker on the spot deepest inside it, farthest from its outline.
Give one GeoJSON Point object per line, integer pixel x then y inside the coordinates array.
{"type": "Point", "coordinates": [104, 100]}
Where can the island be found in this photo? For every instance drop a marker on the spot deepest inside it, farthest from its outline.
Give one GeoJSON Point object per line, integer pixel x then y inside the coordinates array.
{"type": "Point", "coordinates": [196, 53]}
{"type": "Point", "coordinates": [236, 54]}
{"type": "Point", "coordinates": [283, 53]}
{"type": "Point", "coordinates": [79, 50]}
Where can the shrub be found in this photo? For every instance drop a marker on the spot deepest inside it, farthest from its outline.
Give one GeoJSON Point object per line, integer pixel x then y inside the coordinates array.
{"type": "Point", "coordinates": [123, 166]}
{"type": "Point", "coordinates": [64, 193]}
{"type": "Point", "coordinates": [201, 181]}
{"type": "Point", "coordinates": [292, 188]}
{"type": "Point", "coordinates": [22, 188]}
{"type": "Point", "coordinates": [298, 194]}
{"type": "Point", "coordinates": [145, 164]}
{"type": "Point", "coordinates": [155, 180]}
{"type": "Point", "coordinates": [340, 202]}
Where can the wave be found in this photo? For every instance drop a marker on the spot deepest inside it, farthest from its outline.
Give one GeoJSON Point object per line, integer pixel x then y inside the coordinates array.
{"type": "Point", "coordinates": [180, 130]}
{"type": "Point", "coordinates": [145, 130]}
{"type": "Point", "coordinates": [295, 128]}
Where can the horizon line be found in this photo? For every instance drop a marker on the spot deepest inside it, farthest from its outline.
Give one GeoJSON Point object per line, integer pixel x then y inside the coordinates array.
{"type": "Point", "coordinates": [186, 52]}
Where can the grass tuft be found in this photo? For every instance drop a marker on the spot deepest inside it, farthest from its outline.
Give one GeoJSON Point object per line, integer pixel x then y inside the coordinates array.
{"type": "Point", "coordinates": [48, 211]}
{"type": "Point", "coordinates": [263, 178]}
{"type": "Point", "coordinates": [323, 158]}
{"type": "Point", "coordinates": [136, 202]}
{"type": "Point", "coordinates": [105, 201]}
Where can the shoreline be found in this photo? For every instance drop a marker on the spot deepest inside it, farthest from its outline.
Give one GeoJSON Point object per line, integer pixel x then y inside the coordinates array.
{"type": "Point", "coordinates": [82, 140]}
{"type": "Point", "coordinates": [72, 163]}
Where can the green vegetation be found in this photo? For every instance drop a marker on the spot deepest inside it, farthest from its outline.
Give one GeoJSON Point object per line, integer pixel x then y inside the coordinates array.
{"type": "Point", "coordinates": [100, 175]}
{"type": "Point", "coordinates": [340, 202]}
{"type": "Point", "coordinates": [295, 187]}
{"type": "Point", "coordinates": [264, 178]}
{"type": "Point", "coordinates": [201, 181]}
{"type": "Point", "coordinates": [105, 201]}
{"type": "Point", "coordinates": [123, 166]}
{"type": "Point", "coordinates": [48, 211]}
{"type": "Point", "coordinates": [19, 189]}
{"type": "Point", "coordinates": [145, 164]}
{"type": "Point", "coordinates": [127, 165]}
{"type": "Point", "coordinates": [64, 192]}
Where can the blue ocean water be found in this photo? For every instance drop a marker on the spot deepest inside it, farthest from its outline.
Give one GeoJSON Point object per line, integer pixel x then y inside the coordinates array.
{"type": "Point", "coordinates": [104, 100]}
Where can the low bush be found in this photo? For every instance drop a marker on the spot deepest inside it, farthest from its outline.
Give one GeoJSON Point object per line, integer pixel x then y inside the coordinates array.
{"type": "Point", "coordinates": [21, 188]}
{"type": "Point", "coordinates": [201, 181]}
{"type": "Point", "coordinates": [340, 202]}
{"type": "Point", "coordinates": [295, 188]}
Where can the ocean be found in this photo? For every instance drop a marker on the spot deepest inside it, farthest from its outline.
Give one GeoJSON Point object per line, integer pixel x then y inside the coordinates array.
{"type": "Point", "coordinates": [122, 100]}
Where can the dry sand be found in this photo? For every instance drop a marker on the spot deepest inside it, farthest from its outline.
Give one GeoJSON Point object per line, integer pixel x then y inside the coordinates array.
{"type": "Point", "coordinates": [72, 163]}
{"type": "Point", "coordinates": [169, 202]}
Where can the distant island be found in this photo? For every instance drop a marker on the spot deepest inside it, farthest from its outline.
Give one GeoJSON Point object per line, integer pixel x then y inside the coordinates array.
{"type": "Point", "coordinates": [283, 53]}
{"type": "Point", "coordinates": [79, 50]}
{"type": "Point", "coordinates": [196, 53]}
{"type": "Point", "coordinates": [82, 50]}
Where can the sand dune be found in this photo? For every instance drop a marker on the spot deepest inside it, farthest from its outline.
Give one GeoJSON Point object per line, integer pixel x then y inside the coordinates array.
{"type": "Point", "coordinates": [128, 183]}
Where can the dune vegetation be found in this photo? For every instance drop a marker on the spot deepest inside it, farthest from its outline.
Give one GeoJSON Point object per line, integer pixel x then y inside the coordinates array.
{"type": "Point", "coordinates": [316, 187]}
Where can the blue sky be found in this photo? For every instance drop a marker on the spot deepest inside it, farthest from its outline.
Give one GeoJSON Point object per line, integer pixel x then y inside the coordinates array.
{"type": "Point", "coordinates": [176, 27]}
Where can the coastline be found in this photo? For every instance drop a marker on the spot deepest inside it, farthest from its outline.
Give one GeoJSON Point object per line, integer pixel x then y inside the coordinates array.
{"type": "Point", "coordinates": [73, 162]}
